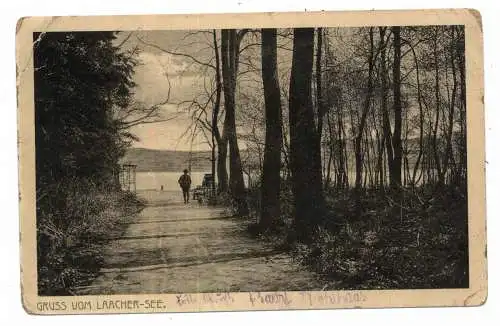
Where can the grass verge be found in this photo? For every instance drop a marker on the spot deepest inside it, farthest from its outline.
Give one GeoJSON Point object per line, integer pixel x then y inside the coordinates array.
{"type": "Point", "coordinates": [73, 223]}
{"type": "Point", "coordinates": [412, 239]}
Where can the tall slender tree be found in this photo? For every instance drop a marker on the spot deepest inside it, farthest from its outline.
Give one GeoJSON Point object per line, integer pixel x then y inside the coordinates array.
{"type": "Point", "coordinates": [230, 42]}
{"type": "Point", "coordinates": [270, 190]}
{"type": "Point", "coordinates": [319, 87]}
{"type": "Point", "coordinates": [448, 155]}
{"type": "Point", "coordinates": [397, 108]}
{"type": "Point", "coordinates": [366, 107]}
{"type": "Point", "coordinates": [462, 116]}
{"type": "Point", "coordinates": [386, 122]}
{"type": "Point", "coordinates": [221, 143]}
{"type": "Point", "coordinates": [437, 94]}
{"type": "Point", "coordinates": [305, 152]}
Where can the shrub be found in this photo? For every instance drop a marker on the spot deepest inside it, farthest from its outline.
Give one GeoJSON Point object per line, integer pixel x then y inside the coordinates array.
{"type": "Point", "coordinates": [421, 246]}
{"type": "Point", "coordinates": [70, 236]}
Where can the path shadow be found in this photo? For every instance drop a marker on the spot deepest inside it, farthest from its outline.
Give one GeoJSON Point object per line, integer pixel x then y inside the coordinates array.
{"type": "Point", "coordinates": [136, 258]}
{"type": "Point", "coordinates": [156, 259]}
{"type": "Point", "coordinates": [184, 220]}
{"type": "Point", "coordinates": [158, 236]}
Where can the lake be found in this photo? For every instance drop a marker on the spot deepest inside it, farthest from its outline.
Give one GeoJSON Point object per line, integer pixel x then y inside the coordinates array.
{"type": "Point", "coordinates": [154, 180]}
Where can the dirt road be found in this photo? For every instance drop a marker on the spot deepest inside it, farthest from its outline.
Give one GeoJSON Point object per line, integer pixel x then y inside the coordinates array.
{"type": "Point", "coordinates": [173, 248]}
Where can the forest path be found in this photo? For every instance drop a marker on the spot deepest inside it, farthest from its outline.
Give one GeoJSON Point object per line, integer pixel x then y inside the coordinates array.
{"type": "Point", "coordinates": [176, 248]}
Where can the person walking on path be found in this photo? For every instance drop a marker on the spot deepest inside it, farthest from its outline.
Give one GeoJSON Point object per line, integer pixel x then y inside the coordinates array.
{"type": "Point", "coordinates": [185, 183]}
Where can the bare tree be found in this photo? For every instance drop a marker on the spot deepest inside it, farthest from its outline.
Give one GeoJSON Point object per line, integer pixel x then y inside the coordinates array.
{"type": "Point", "coordinates": [270, 189]}
{"type": "Point", "coordinates": [230, 43]}
{"type": "Point", "coordinates": [305, 153]}
{"type": "Point", "coordinates": [448, 154]}
{"type": "Point", "coordinates": [221, 141]}
{"type": "Point", "coordinates": [319, 93]}
{"type": "Point", "coordinates": [437, 93]}
{"type": "Point", "coordinates": [396, 89]}
{"type": "Point", "coordinates": [387, 133]}
{"type": "Point", "coordinates": [366, 107]}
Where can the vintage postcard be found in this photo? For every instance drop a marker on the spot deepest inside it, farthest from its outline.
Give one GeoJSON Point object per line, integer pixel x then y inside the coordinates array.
{"type": "Point", "coordinates": [184, 163]}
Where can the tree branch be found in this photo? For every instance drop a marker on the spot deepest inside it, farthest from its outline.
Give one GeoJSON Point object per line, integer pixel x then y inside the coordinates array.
{"type": "Point", "coordinates": [176, 53]}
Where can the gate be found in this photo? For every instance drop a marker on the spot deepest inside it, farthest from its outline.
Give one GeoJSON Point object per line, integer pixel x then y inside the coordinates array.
{"type": "Point", "coordinates": [127, 177]}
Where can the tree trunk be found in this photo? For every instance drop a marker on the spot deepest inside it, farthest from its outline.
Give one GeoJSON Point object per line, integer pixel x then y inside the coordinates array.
{"type": "Point", "coordinates": [438, 109]}
{"type": "Point", "coordinates": [330, 151]}
{"type": "Point", "coordinates": [319, 93]}
{"type": "Point", "coordinates": [270, 188]}
{"type": "Point", "coordinates": [463, 126]}
{"type": "Point", "coordinates": [305, 152]}
{"type": "Point", "coordinates": [416, 168]}
{"type": "Point", "coordinates": [212, 186]}
{"type": "Point", "coordinates": [380, 162]}
{"type": "Point", "coordinates": [396, 138]}
{"type": "Point", "coordinates": [343, 158]}
{"type": "Point", "coordinates": [222, 146]}
{"type": "Point", "coordinates": [221, 165]}
{"type": "Point", "coordinates": [366, 107]}
{"type": "Point", "coordinates": [285, 148]}
{"type": "Point", "coordinates": [230, 50]}
{"type": "Point", "coordinates": [449, 149]}
{"type": "Point", "coordinates": [387, 134]}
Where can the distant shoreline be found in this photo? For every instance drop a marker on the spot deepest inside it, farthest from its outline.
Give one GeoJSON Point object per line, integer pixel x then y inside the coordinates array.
{"type": "Point", "coordinates": [150, 160]}
{"type": "Point", "coordinates": [172, 171]}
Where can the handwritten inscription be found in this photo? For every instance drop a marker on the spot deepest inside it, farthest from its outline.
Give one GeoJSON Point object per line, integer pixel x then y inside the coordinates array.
{"type": "Point", "coordinates": [277, 298]}
{"type": "Point", "coordinates": [205, 298]}
{"type": "Point", "coordinates": [348, 297]}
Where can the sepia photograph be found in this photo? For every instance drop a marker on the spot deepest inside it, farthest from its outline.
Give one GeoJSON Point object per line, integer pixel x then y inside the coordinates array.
{"type": "Point", "coordinates": [259, 159]}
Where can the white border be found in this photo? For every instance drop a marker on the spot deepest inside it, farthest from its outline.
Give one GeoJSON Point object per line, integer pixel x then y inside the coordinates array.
{"type": "Point", "coordinates": [10, 298]}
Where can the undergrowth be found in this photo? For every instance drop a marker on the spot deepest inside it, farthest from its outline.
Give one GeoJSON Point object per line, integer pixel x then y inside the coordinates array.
{"type": "Point", "coordinates": [405, 239]}
{"type": "Point", "coordinates": [74, 221]}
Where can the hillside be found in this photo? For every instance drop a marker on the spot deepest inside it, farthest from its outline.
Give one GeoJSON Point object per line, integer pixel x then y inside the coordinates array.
{"type": "Point", "coordinates": [167, 160]}
{"type": "Point", "coordinates": [175, 161]}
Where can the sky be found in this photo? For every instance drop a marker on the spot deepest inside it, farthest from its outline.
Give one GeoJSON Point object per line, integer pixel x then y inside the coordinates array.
{"type": "Point", "coordinates": [185, 81]}
{"type": "Point", "coordinates": [175, 80]}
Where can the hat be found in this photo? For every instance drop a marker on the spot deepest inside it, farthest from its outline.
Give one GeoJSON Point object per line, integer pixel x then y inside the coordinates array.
{"type": "Point", "coordinates": [186, 171]}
